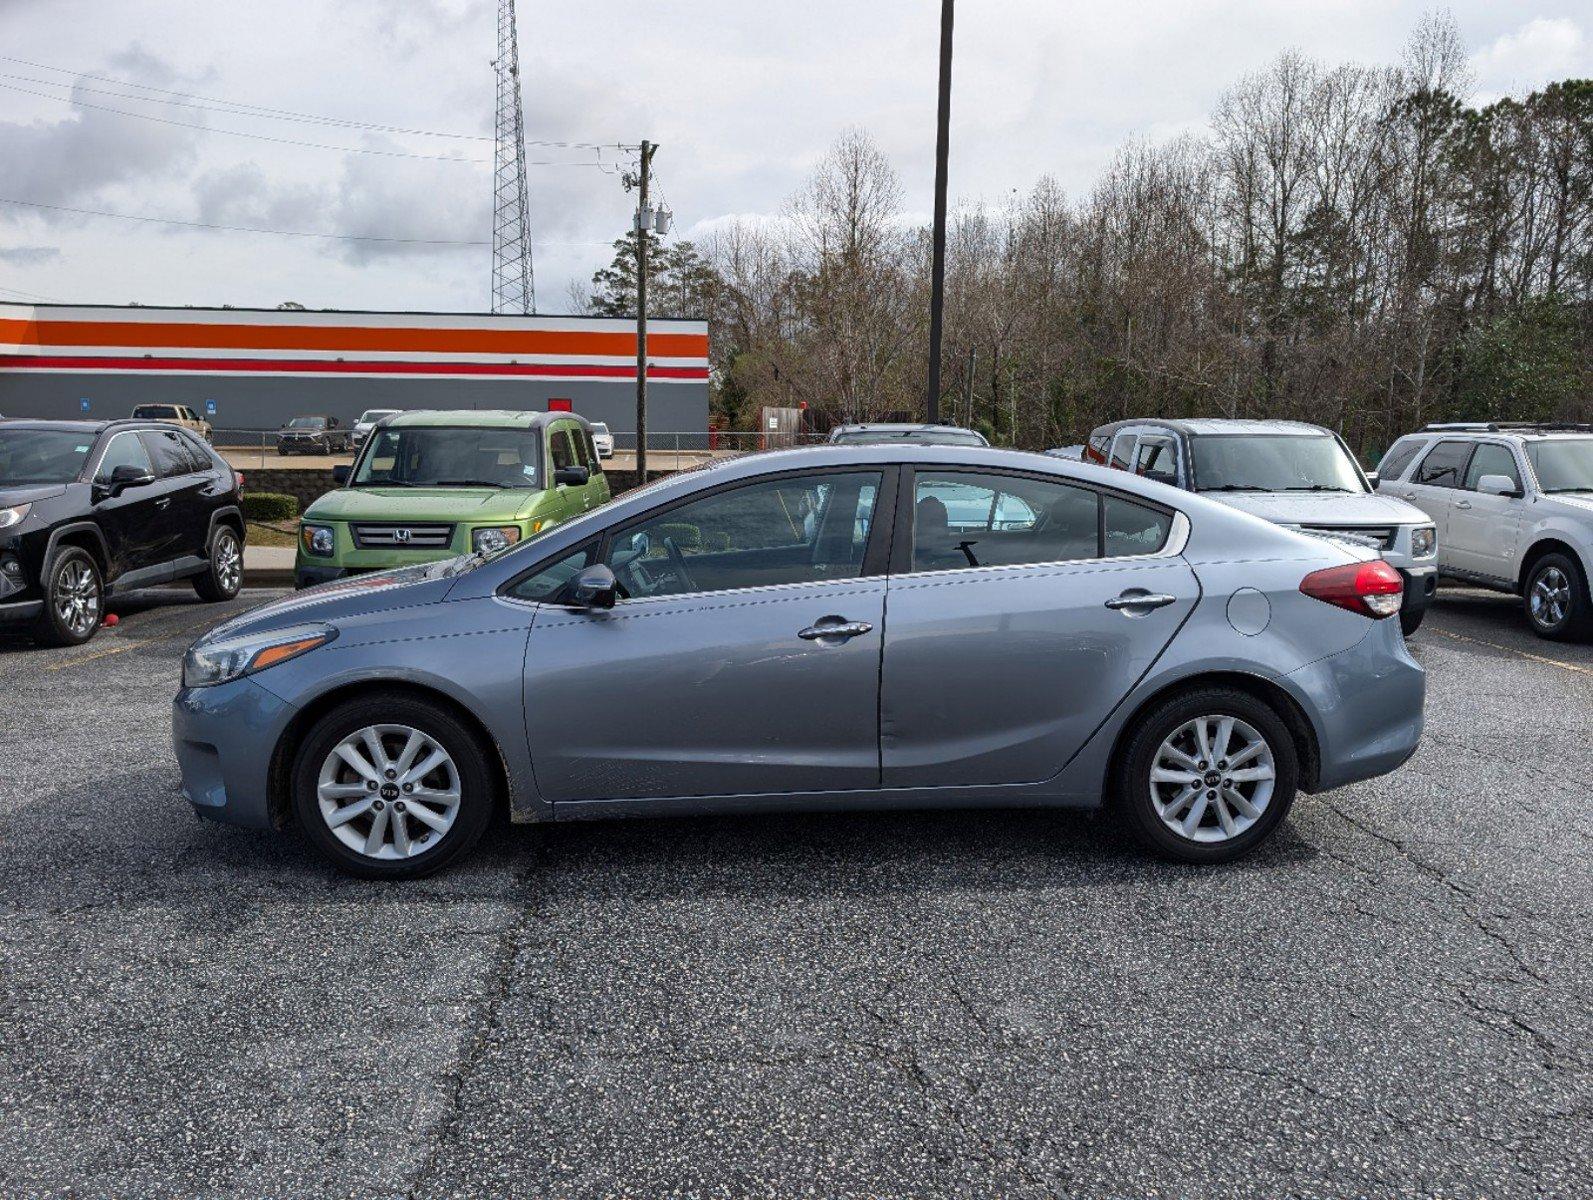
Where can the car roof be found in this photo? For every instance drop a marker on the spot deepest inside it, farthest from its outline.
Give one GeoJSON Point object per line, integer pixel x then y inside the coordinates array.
{"type": "Point", "coordinates": [1225, 426]}
{"type": "Point", "coordinates": [1523, 432]}
{"type": "Point", "coordinates": [900, 427]}
{"type": "Point", "coordinates": [480, 418]}
{"type": "Point", "coordinates": [64, 426]}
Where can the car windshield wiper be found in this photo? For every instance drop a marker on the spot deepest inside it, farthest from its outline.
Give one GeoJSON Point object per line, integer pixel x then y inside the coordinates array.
{"type": "Point", "coordinates": [492, 483]}
{"type": "Point", "coordinates": [1235, 487]}
{"type": "Point", "coordinates": [1317, 487]}
{"type": "Point", "coordinates": [384, 483]}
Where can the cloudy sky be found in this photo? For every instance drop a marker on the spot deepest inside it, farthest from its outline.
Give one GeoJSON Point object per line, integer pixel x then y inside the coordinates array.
{"type": "Point", "coordinates": [743, 95]}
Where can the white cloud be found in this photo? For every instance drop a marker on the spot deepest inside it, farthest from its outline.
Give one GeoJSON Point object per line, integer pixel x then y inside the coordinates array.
{"type": "Point", "coordinates": [1542, 50]}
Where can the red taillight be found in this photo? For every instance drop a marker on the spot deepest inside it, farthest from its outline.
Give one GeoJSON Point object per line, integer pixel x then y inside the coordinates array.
{"type": "Point", "coordinates": [238, 475]}
{"type": "Point", "coordinates": [1373, 589]}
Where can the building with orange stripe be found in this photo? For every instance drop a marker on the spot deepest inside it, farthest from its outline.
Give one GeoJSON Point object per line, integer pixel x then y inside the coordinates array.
{"type": "Point", "coordinates": [252, 369]}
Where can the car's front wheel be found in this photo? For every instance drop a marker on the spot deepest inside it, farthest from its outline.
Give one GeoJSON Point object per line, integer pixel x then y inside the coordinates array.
{"type": "Point", "coordinates": [1556, 599]}
{"type": "Point", "coordinates": [1207, 775]}
{"type": "Point", "coordinates": [390, 786]}
{"type": "Point", "coordinates": [224, 576]}
{"type": "Point", "coordinates": [74, 599]}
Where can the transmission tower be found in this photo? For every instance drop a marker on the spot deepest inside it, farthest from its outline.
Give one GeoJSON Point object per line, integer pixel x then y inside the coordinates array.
{"type": "Point", "coordinates": [514, 288]}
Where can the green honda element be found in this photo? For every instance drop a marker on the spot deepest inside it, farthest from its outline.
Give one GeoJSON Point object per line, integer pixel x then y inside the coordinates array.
{"type": "Point", "coordinates": [432, 485]}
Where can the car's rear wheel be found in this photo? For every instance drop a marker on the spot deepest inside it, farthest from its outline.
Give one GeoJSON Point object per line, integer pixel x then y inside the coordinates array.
{"type": "Point", "coordinates": [1410, 622]}
{"type": "Point", "coordinates": [1556, 599]}
{"type": "Point", "coordinates": [223, 578]}
{"type": "Point", "coordinates": [392, 787]}
{"type": "Point", "coordinates": [74, 599]}
{"type": "Point", "coordinates": [1207, 775]}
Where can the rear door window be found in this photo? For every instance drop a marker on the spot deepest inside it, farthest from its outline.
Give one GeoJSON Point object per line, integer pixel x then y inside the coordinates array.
{"type": "Point", "coordinates": [967, 519]}
{"type": "Point", "coordinates": [1133, 528]}
{"type": "Point", "coordinates": [1444, 465]}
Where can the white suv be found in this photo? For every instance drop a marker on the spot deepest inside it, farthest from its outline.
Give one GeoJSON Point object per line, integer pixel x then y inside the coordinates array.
{"type": "Point", "coordinates": [1513, 504]}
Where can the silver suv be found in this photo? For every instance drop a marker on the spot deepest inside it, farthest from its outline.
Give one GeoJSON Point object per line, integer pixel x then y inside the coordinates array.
{"type": "Point", "coordinates": [1293, 474]}
{"type": "Point", "coordinates": [1513, 504]}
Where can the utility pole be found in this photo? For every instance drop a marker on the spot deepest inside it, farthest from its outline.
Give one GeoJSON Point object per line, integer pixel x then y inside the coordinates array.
{"type": "Point", "coordinates": [973, 360]}
{"type": "Point", "coordinates": [644, 220]}
{"type": "Point", "coordinates": [937, 277]}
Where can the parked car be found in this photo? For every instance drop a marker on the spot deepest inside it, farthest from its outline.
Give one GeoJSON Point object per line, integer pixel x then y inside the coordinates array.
{"type": "Point", "coordinates": [1295, 474]}
{"type": "Point", "coordinates": [368, 421]}
{"type": "Point", "coordinates": [1513, 504]}
{"type": "Point", "coordinates": [431, 485]}
{"type": "Point", "coordinates": [312, 435]}
{"type": "Point", "coordinates": [92, 508]}
{"type": "Point", "coordinates": [175, 414]}
{"type": "Point", "coordinates": [920, 435]}
{"type": "Point", "coordinates": [1076, 452]}
{"type": "Point", "coordinates": [718, 642]}
{"type": "Point", "coordinates": [602, 439]}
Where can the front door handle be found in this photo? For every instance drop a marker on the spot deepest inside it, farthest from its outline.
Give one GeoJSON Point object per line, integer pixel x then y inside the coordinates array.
{"type": "Point", "coordinates": [163, 502]}
{"type": "Point", "coordinates": [1462, 503]}
{"type": "Point", "coordinates": [1408, 495]}
{"type": "Point", "coordinates": [837, 628]}
{"type": "Point", "coordinates": [1135, 599]}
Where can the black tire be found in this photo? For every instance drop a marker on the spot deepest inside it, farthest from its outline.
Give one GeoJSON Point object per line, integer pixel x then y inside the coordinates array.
{"type": "Point", "coordinates": [1410, 622]}
{"type": "Point", "coordinates": [1131, 785]}
{"type": "Point", "coordinates": [463, 746]}
{"type": "Point", "coordinates": [223, 574]}
{"type": "Point", "coordinates": [1570, 616]}
{"type": "Point", "coordinates": [70, 565]}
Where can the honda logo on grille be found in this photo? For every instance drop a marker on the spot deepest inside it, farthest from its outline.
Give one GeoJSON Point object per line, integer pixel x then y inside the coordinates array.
{"type": "Point", "coordinates": [400, 535]}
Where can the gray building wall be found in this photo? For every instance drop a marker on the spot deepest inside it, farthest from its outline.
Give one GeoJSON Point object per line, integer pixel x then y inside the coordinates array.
{"type": "Point", "coordinates": [261, 403]}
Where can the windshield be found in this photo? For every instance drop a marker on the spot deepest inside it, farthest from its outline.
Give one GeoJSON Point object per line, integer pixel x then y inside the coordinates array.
{"type": "Point", "coordinates": [306, 422]}
{"type": "Point", "coordinates": [599, 427]}
{"type": "Point", "coordinates": [372, 415]}
{"type": "Point", "coordinates": [1273, 463]}
{"type": "Point", "coordinates": [154, 412]}
{"type": "Point", "coordinates": [42, 455]}
{"type": "Point", "coordinates": [928, 437]}
{"type": "Point", "coordinates": [1563, 465]}
{"type": "Point", "coordinates": [433, 456]}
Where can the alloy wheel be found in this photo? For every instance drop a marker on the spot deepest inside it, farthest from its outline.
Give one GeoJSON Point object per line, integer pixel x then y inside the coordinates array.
{"type": "Point", "coordinates": [1212, 778]}
{"type": "Point", "coordinates": [1550, 598]}
{"type": "Point", "coordinates": [77, 597]}
{"type": "Point", "coordinates": [229, 562]}
{"type": "Point", "coordinates": [389, 792]}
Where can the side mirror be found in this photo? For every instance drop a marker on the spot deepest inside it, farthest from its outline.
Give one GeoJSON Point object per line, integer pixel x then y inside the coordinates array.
{"type": "Point", "coordinates": [340, 475]}
{"type": "Point", "coordinates": [594, 587]}
{"type": "Point", "coordinates": [574, 476]}
{"type": "Point", "coordinates": [1498, 485]}
{"type": "Point", "coordinates": [331, 422]}
{"type": "Point", "coordinates": [126, 476]}
{"type": "Point", "coordinates": [1373, 478]}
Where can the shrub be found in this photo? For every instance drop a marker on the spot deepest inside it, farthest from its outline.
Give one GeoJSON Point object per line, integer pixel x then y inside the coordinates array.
{"type": "Point", "coordinates": [268, 506]}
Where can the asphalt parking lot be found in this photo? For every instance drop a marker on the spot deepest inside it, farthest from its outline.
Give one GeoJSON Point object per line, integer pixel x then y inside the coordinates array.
{"type": "Point", "coordinates": [1394, 999]}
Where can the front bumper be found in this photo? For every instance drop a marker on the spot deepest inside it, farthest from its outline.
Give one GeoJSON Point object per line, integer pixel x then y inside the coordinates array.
{"type": "Point", "coordinates": [308, 576]}
{"type": "Point", "coordinates": [224, 738]}
{"type": "Point", "coordinates": [20, 610]}
{"type": "Point", "coordinates": [1421, 583]}
{"type": "Point", "coordinates": [1366, 704]}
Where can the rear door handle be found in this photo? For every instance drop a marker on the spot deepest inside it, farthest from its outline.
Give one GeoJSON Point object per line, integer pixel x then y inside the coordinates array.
{"type": "Point", "coordinates": [838, 628]}
{"type": "Point", "coordinates": [1136, 599]}
{"type": "Point", "coordinates": [163, 502]}
{"type": "Point", "coordinates": [1462, 503]}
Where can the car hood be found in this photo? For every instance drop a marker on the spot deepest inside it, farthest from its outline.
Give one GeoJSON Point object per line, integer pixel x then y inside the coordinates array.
{"type": "Point", "coordinates": [377, 591]}
{"type": "Point", "coordinates": [28, 493]}
{"type": "Point", "coordinates": [1580, 503]}
{"type": "Point", "coordinates": [420, 504]}
{"type": "Point", "coordinates": [1324, 508]}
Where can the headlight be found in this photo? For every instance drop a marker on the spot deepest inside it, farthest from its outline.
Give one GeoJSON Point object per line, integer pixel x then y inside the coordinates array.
{"type": "Point", "coordinates": [1422, 541]}
{"type": "Point", "coordinates": [13, 515]}
{"type": "Point", "coordinates": [316, 540]}
{"type": "Point", "coordinates": [494, 538]}
{"type": "Point", "coordinates": [207, 664]}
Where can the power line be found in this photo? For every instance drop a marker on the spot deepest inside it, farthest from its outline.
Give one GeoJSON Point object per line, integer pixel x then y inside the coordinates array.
{"type": "Point", "coordinates": [243, 108]}
{"type": "Point", "coordinates": [345, 237]}
{"type": "Point", "coordinates": [338, 237]}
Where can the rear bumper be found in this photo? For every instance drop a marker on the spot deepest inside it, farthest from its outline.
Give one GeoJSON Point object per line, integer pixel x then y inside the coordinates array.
{"type": "Point", "coordinates": [1366, 705]}
{"type": "Point", "coordinates": [224, 738]}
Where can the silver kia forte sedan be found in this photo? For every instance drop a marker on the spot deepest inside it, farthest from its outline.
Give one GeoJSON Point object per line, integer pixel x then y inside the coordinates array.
{"type": "Point", "coordinates": [837, 627]}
